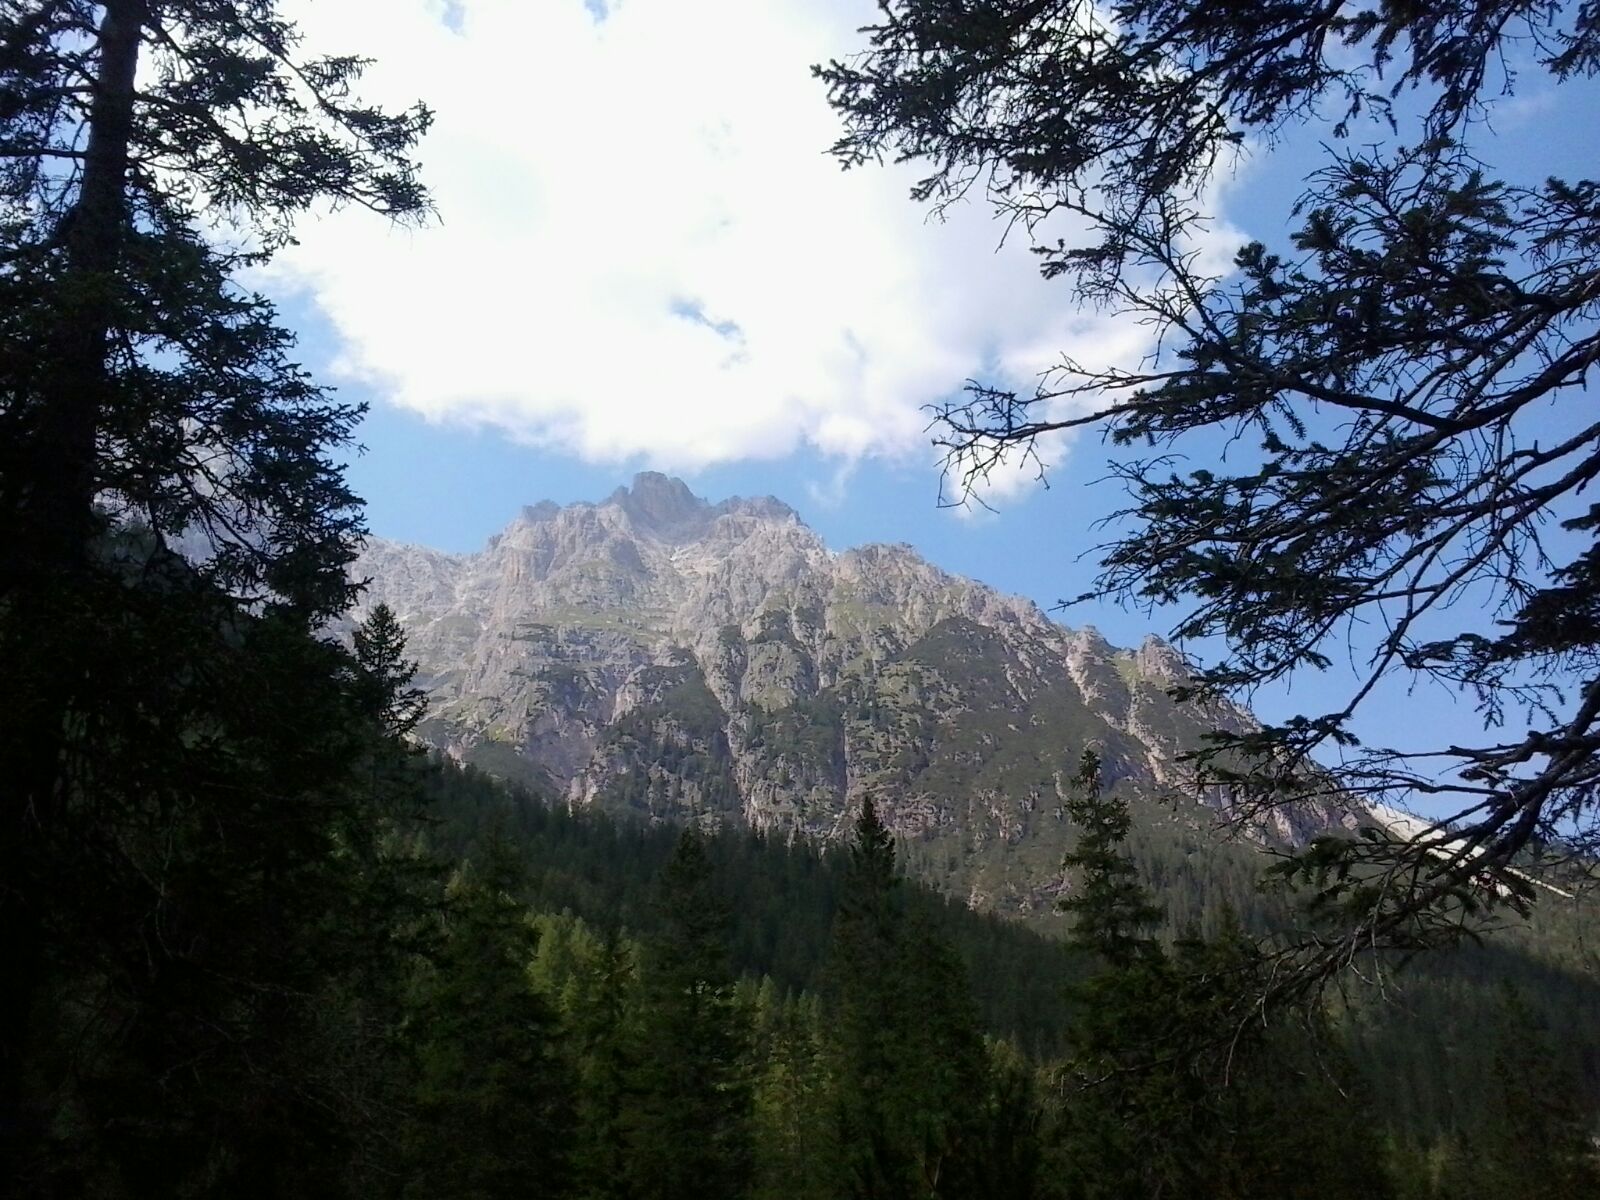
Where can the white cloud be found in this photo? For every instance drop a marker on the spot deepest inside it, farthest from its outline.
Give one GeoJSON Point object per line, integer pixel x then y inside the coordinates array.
{"type": "Point", "coordinates": [645, 251]}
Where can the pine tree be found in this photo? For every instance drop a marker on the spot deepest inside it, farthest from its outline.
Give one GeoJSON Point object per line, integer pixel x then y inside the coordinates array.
{"type": "Point", "coordinates": [907, 1059]}
{"type": "Point", "coordinates": [1174, 1084]}
{"type": "Point", "coordinates": [601, 1022]}
{"type": "Point", "coordinates": [869, 1010]}
{"type": "Point", "coordinates": [1139, 1116]}
{"type": "Point", "coordinates": [1377, 377]}
{"type": "Point", "coordinates": [1531, 1136]}
{"type": "Point", "coordinates": [690, 1127]}
{"type": "Point", "coordinates": [178, 742]}
{"type": "Point", "coordinates": [1109, 907]}
{"type": "Point", "coordinates": [1005, 1127]}
{"type": "Point", "coordinates": [139, 380]}
{"type": "Point", "coordinates": [386, 672]}
{"type": "Point", "coordinates": [795, 1151]}
{"type": "Point", "coordinates": [494, 1098]}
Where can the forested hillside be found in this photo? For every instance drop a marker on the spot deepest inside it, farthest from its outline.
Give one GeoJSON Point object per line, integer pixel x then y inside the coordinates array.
{"type": "Point", "coordinates": [782, 895]}
{"type": "Point", "coordinates": [1424, 1058]}
{"type": "Point", "coordinates": [658, 851]}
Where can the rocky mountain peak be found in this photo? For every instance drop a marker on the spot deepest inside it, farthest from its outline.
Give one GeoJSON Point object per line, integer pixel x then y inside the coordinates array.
{"type": "Point", "coordinates": [672, 658]}
{"type": "Point", "coordinates": [764, 508]}
{"type": "Point", "coordinates": [1159, 662]}
{"type": "Point", "coordinates": [663, 507]}
{"type": "Point", "coordinates": [545, 510]}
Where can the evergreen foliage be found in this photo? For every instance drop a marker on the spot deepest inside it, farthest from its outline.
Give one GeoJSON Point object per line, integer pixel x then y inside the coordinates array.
{"type": "Point", "coordinates": [600, 1019]}
{"type": "Point", "coordinates": [225, 893]}
{"type": "Point", "coordinates": [1530, 1135]}
{"type": "Point", "coordinates": [1109, 908]}
{"type": "Point", "coordinates": [909, 1067]}
{"type": "Point", "coordinates": [493, 1111]}
{"type": "Point", "coordinates": [258, 945]}
{"type": "Point", "coordinates": [1399, 385]}
{"type": "Point", "coordinates": [796, 1135]}
{"type": "Point", "coordinates": [781, 896]}
{"type": "Point", "coordinates": [189, 842]}
{"type": "Point", "coordinates": [690, 1129]}
{"type": "Point", "coordinates": [1173, 1084]}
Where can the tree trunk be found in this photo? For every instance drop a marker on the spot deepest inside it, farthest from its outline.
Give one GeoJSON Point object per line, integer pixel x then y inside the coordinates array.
{"type": "Point", "coordinates": [91, 237]}
{"type": "Point", "coordinates": [50, 559]}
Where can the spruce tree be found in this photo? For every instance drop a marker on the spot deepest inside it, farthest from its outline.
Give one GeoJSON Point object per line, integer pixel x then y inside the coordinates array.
{"type": "Point", "coordinates": [1398, 376]}
{"type": "Point", "coordinates": [601, 1024]}
{"type": "Point", "coordinates": [1531, 1136]}
{"type": "Point", "coordinates": [1129, 1105]}
{"type": "Point", "coordinates": [494, 1098]}
{"type": "Point", "coordinates": [1175, 1083]}
{"type": "Point", "coordinates": [179, 743]}
{"type": "Point", "coordinates": [1110, 909]}
{"type": "Point", "coordinates": [869, 1009]}
{"type": "Point", "coordinates": [690, 1128]}
{"type": "Point", "coordinates": [1005, 1125]}
{"type": "Point", "coordinates": [386, 674]}
{"type": "Point", "coordinates": [907, 1059]}
{"type": "Point", "coordinates": [795, 1147]}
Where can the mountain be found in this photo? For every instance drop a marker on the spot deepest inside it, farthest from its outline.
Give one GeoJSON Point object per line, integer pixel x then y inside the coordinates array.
{"type": "Point", "coordinates": [658, 654]}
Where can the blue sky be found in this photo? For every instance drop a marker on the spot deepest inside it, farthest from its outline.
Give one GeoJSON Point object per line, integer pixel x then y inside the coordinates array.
{"type": "Point", "coordinates": [643, 259]}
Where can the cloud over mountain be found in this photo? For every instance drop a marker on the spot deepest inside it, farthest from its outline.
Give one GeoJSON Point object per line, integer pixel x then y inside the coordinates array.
{"type": "Point", "coordinates": [644, 250]}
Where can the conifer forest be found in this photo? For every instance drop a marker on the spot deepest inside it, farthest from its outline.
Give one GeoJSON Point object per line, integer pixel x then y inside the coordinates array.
{"type": "Point", "coordinates": [660, 850]}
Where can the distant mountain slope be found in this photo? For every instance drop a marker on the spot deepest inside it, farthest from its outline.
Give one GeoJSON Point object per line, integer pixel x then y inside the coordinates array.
{"type": "Point", "coordinates": [659, 654]}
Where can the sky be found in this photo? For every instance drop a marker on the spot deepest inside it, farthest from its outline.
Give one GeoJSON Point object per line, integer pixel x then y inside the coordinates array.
{"type": "Point", "coordinates": [644, 258]}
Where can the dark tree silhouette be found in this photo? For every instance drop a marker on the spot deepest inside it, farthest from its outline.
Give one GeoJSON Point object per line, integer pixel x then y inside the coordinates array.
{"type": "Point", "coordinates": [1401, 386]}
{"type": "Point", "coordinates": [691, 1124]}
{"type": "Point", "coordinates": [176, 743]}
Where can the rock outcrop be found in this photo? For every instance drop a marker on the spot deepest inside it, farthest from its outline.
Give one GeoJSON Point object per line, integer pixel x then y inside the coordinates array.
{"type": "Point", "coordinates": [658, 654]}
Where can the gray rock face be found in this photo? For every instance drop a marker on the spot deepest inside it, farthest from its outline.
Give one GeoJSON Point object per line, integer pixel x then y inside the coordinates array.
{"type": "Point", "coordinates": [663, 655]}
